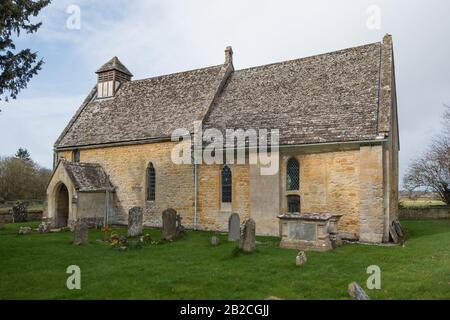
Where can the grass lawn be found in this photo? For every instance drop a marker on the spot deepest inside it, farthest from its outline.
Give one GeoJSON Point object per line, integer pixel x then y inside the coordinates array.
{"type": "Point", "coordinates": [34, 267]}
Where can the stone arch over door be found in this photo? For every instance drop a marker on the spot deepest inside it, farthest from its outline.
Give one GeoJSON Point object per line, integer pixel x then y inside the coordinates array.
{"type": "Point", "coordinates": [62, 206]}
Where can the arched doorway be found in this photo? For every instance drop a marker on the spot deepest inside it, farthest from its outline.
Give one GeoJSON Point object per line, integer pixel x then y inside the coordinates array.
{"type": "Point", "coordinates": [62, 206]}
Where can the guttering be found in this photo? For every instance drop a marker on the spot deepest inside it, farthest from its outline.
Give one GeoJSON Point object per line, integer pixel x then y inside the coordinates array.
{"type": "Point", "coordinates": [284, 146]}
{"type": "Point", "coordinates": [114, 144]}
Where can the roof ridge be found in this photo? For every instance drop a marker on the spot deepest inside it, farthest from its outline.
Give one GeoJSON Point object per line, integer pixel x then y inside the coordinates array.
{"type": "Point", "coordinates": [309, 57]}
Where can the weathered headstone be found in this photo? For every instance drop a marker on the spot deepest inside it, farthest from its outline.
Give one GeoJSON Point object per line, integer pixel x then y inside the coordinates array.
{"type": "Point", "coordinates": [398, 228]}
{"type": "Point", "coordinates": [135, 219]}
{"type": "Point", "coordinates": [20, 212]}
{"type": "Point", "coordinates": [248, 236]}
{"type": "Point", "coordinates": [25, 230]}
{"type": "Point", "coordinates": [169, 223]}
{"type": "Point", "coordinates": [180, 227]}
{"type": "Point", "coordinates": [234, 227]}
{"type": "Point", "coordinates": [44, 227]}
{"type": "Point", "coordinates": [2, 225]}
{"type": "Point", "coordinates": [80, 233]}
{"type": "Point", "coordinates": [356, 292]}
{"type": "Point", "coordinates": [215, 240]}
{"type": "Point", "coordinates": [393, 234]}
{"type": "Point", "coordinates": [300, 259]}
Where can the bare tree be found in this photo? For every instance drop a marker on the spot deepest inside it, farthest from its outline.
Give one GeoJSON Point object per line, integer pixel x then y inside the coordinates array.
{"type": "Point", "coordinates": [432, 170]}
{"type": "Point", "coordinates": [22, 179]}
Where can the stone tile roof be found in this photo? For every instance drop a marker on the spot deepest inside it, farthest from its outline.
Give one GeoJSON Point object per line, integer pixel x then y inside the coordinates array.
{"type": "Point", "coordinates": [148, 108]}
{"type": "Point", "coordinates": [87, 176]}
{"type": "Point", "coordinates": [333, 97]}
{"type": "Point", "coordinates": [114, 64]}
{"type": "Point", "coordinates": [326, 98]}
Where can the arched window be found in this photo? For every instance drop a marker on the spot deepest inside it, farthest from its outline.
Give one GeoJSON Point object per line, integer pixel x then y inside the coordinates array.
{"type": "Point", "coordinates": [151, 183]}
{"type": "Point", "coordinates": [292, 175]}
{"type": "Point", "coordinates": [226, 184]}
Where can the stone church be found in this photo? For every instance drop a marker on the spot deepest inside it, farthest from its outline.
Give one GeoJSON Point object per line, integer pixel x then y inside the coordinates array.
{"type": "Point", "coordinates": [338, 145]}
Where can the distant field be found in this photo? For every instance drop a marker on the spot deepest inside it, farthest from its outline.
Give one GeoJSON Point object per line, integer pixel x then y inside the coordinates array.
{"type": "Point", "coordinates": [420, 203]}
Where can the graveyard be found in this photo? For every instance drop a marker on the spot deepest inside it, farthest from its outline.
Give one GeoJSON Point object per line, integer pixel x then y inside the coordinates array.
{"type": "Point", "coordinates": [206, 265]}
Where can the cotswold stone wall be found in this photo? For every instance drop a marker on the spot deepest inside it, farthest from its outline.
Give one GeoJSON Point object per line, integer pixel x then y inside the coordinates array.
{"type": "Point", "coordinates": [126, 167]}
{"type": "Point", "coordinates": [32, 215]}
{"type": "Point", "coordinates": [329, 182]}
{"type": "Point", "coordinates": [213, 215]}
{"type": "Point", "coordinates": [339, 181]}
{"type": "Point", "coordinates": [372, 215]}
{"type": "Point", "coordinates": [425, 213]}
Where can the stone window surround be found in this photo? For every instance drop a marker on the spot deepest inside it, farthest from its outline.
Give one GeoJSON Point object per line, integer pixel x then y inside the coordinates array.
{"type": "Point", "coordinates": [286, 173]}
{"type": "Point", "coordinates": [225, 206]}
{"type": "Point", "coordinates": [286, 193]}
{"type": "Point", "coordinates": [147, 200]}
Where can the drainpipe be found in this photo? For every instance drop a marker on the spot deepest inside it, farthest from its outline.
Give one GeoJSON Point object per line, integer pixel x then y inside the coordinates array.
{"type": "Point", "coordinates": [105, 223]}
{"type": "Point", "coordinates": [195, 194]}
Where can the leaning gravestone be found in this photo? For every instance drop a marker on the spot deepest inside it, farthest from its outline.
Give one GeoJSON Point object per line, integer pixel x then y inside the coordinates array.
{"type": "Point", "coordinates": [80, 233]}
{"type": "Point", "coordinates": [169, 223]}
{"type": "Point", "coordinates": [248, 236]}
{"type": "Point", "coordinates": [234, 227]}
{"type": "Point", "coordinates": [135, 219]}
{"type": "Point", "coordinates": [356, 292]}
{"type": "Point", "coordinates": [180, 228]}
{"type": "Point", "coordinates": [399, 230]}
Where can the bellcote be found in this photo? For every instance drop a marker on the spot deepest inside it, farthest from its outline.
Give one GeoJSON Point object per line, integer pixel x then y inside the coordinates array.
{"type": "Point", "coordinates": [110, 77]}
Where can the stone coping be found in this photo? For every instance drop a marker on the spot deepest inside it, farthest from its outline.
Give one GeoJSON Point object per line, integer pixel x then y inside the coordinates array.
{"type": "Point", "coordinates": [307, 216]}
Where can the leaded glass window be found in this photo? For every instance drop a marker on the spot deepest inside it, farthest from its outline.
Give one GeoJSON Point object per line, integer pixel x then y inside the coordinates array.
{"type": "Point", "coordinates": [293, 203]}
{"type": "Point", "coordinates": [226, 184]}
{"type": "Point", "coordinates": [292, 175]}
{"type": "Point", "coordinates": [151, 182]}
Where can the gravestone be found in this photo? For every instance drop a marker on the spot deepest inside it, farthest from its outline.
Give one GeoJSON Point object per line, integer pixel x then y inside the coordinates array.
{"type": "Point", "coordinates": [135, 219]}
{"type": "Point", "coordinates": [300, 259]}
{"type": "Point", "coordinates": [169, 223]}
{"type": "Point", "coordinates": [393, 234]}
{"type": "Point", "coordinates": [215, 240]}
{"type": "Point", "coordinates": [44, 227]}
{"type": "Point", "coordinates": [25, 230]}
{"type": "Point", "coordinates": [80, 233]}
{"type": "Point", "coordinates": [20, 212]}
{"type": "Point", "coordinates": [356, 292]}
{"type": "Point", "coordinates": [180, 227]}
{"type": "Point", "coordinates": [234, 227]}
{"type": "Point", "coordinates": [248, 236]}
{"type": "Point", "coordinates": [399, 230]}
{"type": "Point", "coordinates": [2, 225]}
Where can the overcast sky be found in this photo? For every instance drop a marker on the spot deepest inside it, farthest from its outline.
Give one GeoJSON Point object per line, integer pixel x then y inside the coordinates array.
{"type": "Point", "coordinates": [159, 37]}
